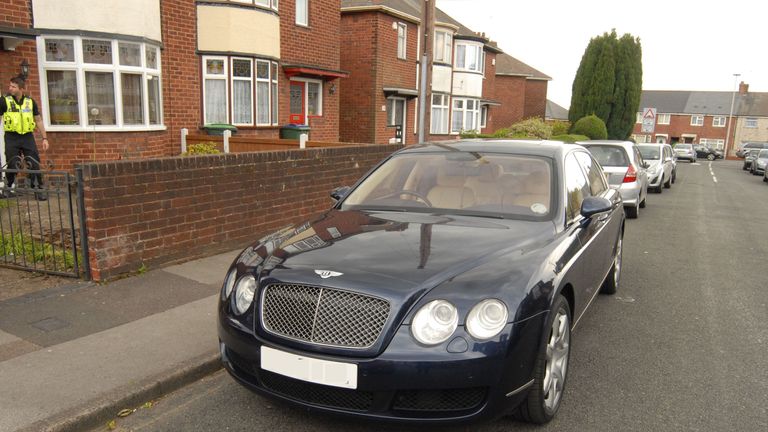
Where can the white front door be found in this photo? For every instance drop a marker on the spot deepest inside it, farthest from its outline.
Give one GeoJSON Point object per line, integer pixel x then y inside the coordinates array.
{"type": "Point", "coordinates": [396, 108]}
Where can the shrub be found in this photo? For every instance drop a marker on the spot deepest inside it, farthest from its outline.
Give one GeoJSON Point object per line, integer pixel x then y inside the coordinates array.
{"type": "Point", "coordinates": [560, 127]}
{"type": "Point", "coordinates": [201, 149]}
{"type": "Point", "coordinates": [591, 126]}
{"type": "Point", "coordinates": [502, 133]}
{"type": "Point", "coordinates": [533, 127]}
{"type": "Point", "coordinates": [569, 138]}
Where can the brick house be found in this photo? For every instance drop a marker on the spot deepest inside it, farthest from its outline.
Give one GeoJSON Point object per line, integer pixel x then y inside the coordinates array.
{"type": "Point", "coordinates": [117, 80]}
{"type": "Point", "coordinates": [471, 83]}
{"type": "Point", "coordinates": [703, 117]}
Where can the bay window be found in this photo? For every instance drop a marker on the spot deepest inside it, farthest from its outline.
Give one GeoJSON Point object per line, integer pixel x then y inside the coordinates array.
{"type": "Point", "coordinates": [469, 57]}
{"type": "Point", "coordinates": [439, 117]}
{"type": "Point", "coordinates": [443, 46]}
{"type": "Point", "coordinates": [106, 84]}
{"type": "Point", "coordinates": [466, 115]}
{"type": "Point", "coordinates": [253, 84]}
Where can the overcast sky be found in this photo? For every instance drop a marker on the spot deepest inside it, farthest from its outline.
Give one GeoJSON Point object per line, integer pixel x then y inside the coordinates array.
{"type": "Point", "coordinates": [687, 45]}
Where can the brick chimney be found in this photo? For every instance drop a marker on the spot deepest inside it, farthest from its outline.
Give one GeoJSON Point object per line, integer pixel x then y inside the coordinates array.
{"type": "Point", "coordinates": [743, 88]}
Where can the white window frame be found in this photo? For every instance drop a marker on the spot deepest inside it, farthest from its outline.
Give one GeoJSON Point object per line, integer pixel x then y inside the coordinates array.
{"type": "Point", "coordinates": [477, 51]}
{"type": "Point", "coordinates": [402, 41]}
{"type": "Point", "coordinates": [80, 68]}
{"type": "Point", "coordinates": [302, 8]}
{"type": "Point", "coordinates": [475, 112]}
{"type": "Point", "coordinates": [639, 118]}
{"type": "Point", "coordinates": [443, 46]}
{"type": "Point", "coordinates": [445, 108]}
{"type": "Point", "coordinates": [224, 77]}
{"type": "Point", "coordinates": [232, 79]}
{"type": "Point", "coordinates": [719, 121]}
{"type": "Point", "coordinates": [662, 119]}
{"type": "Point", "coordinates": [641, 138]}
{"type": "Point", "coordinates": [697, 120]}
{"type": "Point", "coordinates": [483, 116]}
{"type": "Point", "coordinates": [228, 78]}
{"type": "Point", "coordinates": [750, 122]}
{"type": "Point", "coordinates": [265, 3]}
{"type": "Point", "coordinates": [664, 138]}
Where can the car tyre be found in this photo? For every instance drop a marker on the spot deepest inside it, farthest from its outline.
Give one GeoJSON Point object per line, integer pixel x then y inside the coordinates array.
{"type": "Point", "coordinates": [674, 175]}
{"type": "Point", "coordinates": [668, 183]}
{"type": "Point", "coordinates": [710, 157]}
{"type": "Point", "coordinates": [632, 211]}
{"type": "Point", "coordinates": [551, 368]}
{"type": "Point", "coordinates": [642, 203]}
{"type": "Point", "coordinates": [611, 282]}
{"type": "Point", "coordinates": [765, 179]}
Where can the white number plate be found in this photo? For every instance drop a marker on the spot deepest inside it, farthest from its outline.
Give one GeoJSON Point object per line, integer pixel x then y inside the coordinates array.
{"type": "Point", "coordinates": [309, 369]}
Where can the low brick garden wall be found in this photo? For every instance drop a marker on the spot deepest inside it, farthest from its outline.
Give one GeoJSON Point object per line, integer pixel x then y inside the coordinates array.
{"type": "Point", "coordinates": [150, 213]}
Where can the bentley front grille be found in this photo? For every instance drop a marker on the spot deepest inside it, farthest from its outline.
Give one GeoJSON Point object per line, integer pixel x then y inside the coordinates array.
{"type": "Point", "coordinates": [323, 316]}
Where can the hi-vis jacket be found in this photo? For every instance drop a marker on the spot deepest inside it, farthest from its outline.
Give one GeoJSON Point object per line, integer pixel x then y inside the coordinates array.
{"type": "Point", "coordinates": [18, 118]}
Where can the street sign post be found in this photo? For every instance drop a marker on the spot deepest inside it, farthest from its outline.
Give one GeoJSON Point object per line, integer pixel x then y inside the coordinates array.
{"type": "Point", "coordinates": [649, 120]}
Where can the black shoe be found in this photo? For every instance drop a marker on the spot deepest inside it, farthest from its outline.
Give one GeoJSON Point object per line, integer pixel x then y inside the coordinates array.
{"type": "Point", "coordinates": [41, 196]}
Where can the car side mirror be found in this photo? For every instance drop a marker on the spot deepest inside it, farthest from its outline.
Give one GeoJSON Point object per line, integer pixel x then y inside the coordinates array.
{"type": "Point", "coordinates": [646, 165]}
{"type": "Point", "coordinates": [340, 192]}
{"type": "Point", "coordinates": [594, 205]}
{"type": "Point", "coordinates": [669, 159]}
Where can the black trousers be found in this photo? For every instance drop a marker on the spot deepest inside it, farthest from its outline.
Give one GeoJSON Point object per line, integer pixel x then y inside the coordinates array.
{"type": "Point", "coordinates": [16, 147]}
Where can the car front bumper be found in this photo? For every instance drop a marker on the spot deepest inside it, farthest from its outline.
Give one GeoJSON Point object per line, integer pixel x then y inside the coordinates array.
{"type": "Point", "coordinates": [407, 382]}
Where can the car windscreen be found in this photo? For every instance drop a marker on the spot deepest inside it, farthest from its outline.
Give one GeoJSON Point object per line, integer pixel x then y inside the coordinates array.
{"type": "Point", "coordinates": [609, 155]}
{"type": "Point", "coordinates": [467, 183]}
{"type": "Point", "coordinates": [650, 152]}
{"type": "Point", "coordinates": [683, 147]}
{"type": "Point", "coordinates": [763, 154]}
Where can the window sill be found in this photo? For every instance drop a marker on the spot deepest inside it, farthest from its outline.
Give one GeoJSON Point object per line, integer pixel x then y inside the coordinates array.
{"type": "Point", "coordinates": [51, 128]}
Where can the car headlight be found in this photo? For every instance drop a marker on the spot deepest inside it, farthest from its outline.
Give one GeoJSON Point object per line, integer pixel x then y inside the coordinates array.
{"type": "Point", "coordinates": [229, 283]}
{"type": "Point", "coordinates": [244, 291]}
{"type": "Point", "coordinates": [435, 322]}
{"type": "Point", "coordinates": [487, 319]}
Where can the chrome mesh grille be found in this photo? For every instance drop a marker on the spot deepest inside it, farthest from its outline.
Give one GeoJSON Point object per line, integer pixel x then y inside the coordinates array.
{"type": "Point", "coordinates": [323, 316]}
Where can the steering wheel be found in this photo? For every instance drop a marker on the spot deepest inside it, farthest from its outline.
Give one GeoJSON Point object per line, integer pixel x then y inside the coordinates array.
{"type": "Point", "coordinates": [412, 193]}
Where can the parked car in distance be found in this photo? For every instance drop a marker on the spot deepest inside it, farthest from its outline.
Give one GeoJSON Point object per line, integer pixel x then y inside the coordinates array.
{"type": "Point", "coordinates": [759, 162]}
{"type": "Point", "coordinates": [749, 146]}
{"type": "Point", "coordinates": [662, 169]}
{"type": "Point", "coordinates": [626, 171]}
{"type": "Point", "coordinates": [749, 157]}
{"type": "Point", "coordinates": [707, 152]}
{"type": "Point", "coordinates": [685, 151]}
{"type": "Point", "coordinates": [442, 287]}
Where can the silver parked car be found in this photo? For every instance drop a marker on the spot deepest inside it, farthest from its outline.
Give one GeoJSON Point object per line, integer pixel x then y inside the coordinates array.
{"type": "Point", "coordinates": [685, 151]}
{"type": "Point", "coordinates": [662, 170]}
{"type": "Point", "coordinates": [760, 162]}
{"type": "Point", "coordinates": [625, 169]}
{"type": "Point", "coordinates": [749, 156]}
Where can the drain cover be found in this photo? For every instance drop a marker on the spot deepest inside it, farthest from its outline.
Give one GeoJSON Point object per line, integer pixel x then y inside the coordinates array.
{"type": "Point", "coordinates": [50, 324]}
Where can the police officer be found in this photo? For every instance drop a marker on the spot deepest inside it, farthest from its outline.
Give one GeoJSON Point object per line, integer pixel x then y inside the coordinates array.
{"type": "Point", "coordinates": [21, 116]}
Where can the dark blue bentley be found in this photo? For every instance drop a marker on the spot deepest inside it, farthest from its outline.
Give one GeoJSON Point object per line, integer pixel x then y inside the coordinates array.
{"type": "Point", "coordinates": [443, 286]}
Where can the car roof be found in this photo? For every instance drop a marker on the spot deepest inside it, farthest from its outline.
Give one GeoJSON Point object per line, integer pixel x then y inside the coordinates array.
{"type": "Point", "coordinates": [551, 149]}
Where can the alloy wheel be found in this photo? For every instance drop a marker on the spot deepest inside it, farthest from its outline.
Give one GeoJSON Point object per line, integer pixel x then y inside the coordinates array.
{"type": "Point", "coordinates": [558, 348]}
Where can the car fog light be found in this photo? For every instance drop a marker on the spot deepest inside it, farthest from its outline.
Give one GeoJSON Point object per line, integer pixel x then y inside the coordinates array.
{"type": "Point", "coordinates": [487, 319]}
{"type": "Point", "coordinates": [229, 283]}
{"type": "Point", "coordinates": [244, 291]}
{"type": "Point", "coordinates": [435, 322]}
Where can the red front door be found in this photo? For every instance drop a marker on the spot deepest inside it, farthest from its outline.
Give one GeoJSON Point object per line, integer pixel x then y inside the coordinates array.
{"type": "Point", "coordinates": [297, 103]}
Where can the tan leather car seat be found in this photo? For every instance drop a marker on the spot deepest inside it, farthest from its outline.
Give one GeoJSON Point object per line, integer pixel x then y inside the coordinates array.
{"type": "Point", "coordinates": [450, 191]}
{"type": "Point", "coordinates": [486, 186]}
{"type": "Point", "coordinates": [534, 189]}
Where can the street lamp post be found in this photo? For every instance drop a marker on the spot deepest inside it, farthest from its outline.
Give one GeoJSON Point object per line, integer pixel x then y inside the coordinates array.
{"type": "Point", "coordinates": [730, 116]}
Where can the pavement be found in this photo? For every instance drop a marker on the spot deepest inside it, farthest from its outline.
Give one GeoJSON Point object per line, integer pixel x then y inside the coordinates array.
{"type": "Point", "coordinates": [74, 355]}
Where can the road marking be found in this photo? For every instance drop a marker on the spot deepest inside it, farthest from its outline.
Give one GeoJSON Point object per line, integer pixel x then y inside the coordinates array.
{"type": "Point", "coordinates": [712, 172]}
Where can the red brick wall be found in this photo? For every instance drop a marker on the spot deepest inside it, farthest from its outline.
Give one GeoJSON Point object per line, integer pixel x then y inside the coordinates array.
{"type": "Point", "coordinates": [510, 92]}
{"type": "Point", "coordinates": [358, 50]}
{"type": "Point", "coordinates": [318, 46]}
{"type": "Point", "coordinates": [489, 92]}
{"type": "Point", "coordinates": [535, 98]}
{"type": "Point", "coordinates": [155, 212]}
{"type": "Point", "coordinates": [369, 53]}
{"type": "Point", "coordinates": [182, 93]}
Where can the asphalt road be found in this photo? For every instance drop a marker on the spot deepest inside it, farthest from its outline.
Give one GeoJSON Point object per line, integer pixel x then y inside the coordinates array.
{"type": "Point", "coordinates": [682, 346]}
